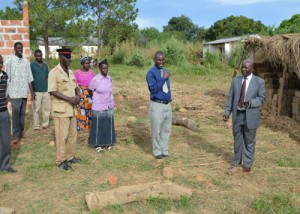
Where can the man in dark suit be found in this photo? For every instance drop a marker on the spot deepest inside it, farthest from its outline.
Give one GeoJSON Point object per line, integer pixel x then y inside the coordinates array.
{"type": "Point", "coordinates": [247, 94]}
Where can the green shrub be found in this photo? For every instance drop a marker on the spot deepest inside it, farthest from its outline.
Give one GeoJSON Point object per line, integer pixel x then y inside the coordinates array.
{"type": "Point", "coordinates": [175, 52]}
{"type": "Point", "coordinates": [137, 59]}
{"type": "Point", "coordinates": [118, 58]}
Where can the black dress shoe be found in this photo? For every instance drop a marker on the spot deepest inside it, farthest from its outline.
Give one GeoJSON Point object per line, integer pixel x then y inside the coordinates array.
{"type": "Point", "coordinates": [64, 165]}
{"type": "Point", "coordinates": [74, 160]}
{"type": "Point", "coordinates": [165, 156]}
{"type": "Point", "coordinates": [10, 170]}
{"type": "Point", "coordinates": [158, 156]}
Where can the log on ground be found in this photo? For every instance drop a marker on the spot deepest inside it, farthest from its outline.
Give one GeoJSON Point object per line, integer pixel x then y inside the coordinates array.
{"type": "Point", "coordinates": [185, 122]}
{"type": "Point", "coordinates": [127, 194]}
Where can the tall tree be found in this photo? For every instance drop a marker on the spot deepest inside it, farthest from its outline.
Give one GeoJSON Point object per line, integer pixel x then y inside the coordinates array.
{"type": "Point", "coordinates": [151, 34]}
{"type": "Point", "coordinates": [56, 18]}
{"type": "Point", "coordinates": [10, 14]}
{"type": "Point", "coordinates": [115, 18]}
{"type": "Point", "coordinates": [291, 25]}
{"type": "Point", "coordinates": [184, 25]}
{"type": "Point", "coordinates": [234, 26]}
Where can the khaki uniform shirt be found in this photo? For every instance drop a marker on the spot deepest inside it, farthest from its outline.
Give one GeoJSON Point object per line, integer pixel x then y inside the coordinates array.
{"type": "Point", "coordinates": [59, 81]}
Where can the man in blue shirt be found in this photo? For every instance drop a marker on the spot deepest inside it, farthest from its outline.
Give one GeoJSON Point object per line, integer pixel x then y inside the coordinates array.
{"type": "Point", "coordinates": [160, 106]}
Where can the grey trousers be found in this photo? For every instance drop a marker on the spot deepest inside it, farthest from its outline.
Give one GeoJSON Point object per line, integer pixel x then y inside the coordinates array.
{"type": "Point", "coordinates": [18, 115]}
{"type": "Point", "coordinates": [4, 140]}
{"type": "Point", "coordinates": [243, 137]}
{"type": "Point", "coordinates": [161, 123]}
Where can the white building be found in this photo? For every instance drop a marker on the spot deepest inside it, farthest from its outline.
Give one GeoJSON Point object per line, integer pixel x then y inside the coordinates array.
{"type": "Point", "coordinates": [89, 47]}
{"type": "Point", "coordinates": [224, 46]}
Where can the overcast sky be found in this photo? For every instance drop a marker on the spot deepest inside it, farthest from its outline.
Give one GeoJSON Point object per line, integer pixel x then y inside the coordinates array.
{"type": "Point", "coordinates": [157, 13]}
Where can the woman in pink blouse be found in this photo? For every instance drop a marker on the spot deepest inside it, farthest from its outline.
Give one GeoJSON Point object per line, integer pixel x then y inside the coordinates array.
{"type": "Point", "coordinates": [102, 133]}
{"type": "Point", "coordinates": [83, 77]}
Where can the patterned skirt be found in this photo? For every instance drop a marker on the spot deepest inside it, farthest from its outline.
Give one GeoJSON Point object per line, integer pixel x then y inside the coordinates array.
{"type": "Point", "coordinates": [84, 114]}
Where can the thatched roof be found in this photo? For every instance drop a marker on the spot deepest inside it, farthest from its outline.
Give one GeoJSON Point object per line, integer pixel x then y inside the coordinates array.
{"type": "Point", "coordinates": [279, 49]}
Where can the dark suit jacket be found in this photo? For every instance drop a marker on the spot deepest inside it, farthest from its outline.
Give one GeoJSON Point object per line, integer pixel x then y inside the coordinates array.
{"type": "Point", "coordinates": [256, 93]}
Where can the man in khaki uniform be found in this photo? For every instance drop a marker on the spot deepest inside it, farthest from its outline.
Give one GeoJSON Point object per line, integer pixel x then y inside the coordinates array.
{"type": "Point", "coordinates": [62, 87]}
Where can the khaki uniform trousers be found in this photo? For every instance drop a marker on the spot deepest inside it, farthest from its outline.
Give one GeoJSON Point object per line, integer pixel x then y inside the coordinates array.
{"type": "Point", "coordinates": [66, 136]}
{"type": "Point", "coordinates": [41, 101]}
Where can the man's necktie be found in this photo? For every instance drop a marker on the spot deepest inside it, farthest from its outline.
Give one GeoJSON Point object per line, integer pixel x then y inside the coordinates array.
{"type": "Point", "coordinates": [242, 96]}
{"type": "Point", "coordinates": [165, 86]}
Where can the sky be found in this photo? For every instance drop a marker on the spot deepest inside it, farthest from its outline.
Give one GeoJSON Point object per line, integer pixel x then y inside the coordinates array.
{"type": "Point", "coordinates": [204, 13]}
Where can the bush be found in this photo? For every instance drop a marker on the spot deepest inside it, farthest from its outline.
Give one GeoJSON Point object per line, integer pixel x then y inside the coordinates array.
{"type": "Point", "coordinates": [118, 58]}
{"type": "Point", "coordinates": [137, 59]}
{"type": "Point", "coordinates": [213, 60]}
{"type": "Point", "coordinates": [175, 52]}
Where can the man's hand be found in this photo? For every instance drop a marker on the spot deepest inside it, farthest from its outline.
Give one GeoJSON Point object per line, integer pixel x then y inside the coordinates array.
{"type": "Point", "coordinates": [225, 118]}
{"type": "Point", "coordinates": [33, 96]}
{"type": "Point", "coordinates": [166, 75]}
{"type": "Point", "coordinates": [247, 104]}
{"type": "Point", "coordinates": [74, 100]}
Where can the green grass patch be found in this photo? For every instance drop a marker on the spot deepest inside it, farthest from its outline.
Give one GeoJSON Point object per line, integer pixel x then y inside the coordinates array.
{"type": "Point", "coordinates": [279, 203]}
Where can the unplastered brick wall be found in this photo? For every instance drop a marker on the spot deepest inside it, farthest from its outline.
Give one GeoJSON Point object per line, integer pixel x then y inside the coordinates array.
{"type": "Point", "coordinates": [12, 31]}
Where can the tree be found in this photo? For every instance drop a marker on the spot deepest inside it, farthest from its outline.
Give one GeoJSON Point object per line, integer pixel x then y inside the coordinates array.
{"type": "Point", "coordinates": [151, 33]}
{"type": "Point", "coordinates": [55, 18]}
{"type": "Point", "coordinates": [10, 14]}
{"type": "Point", "coordinates": [234, 26]}
{"type": "Point", "coordinates": [291, 25]}
{"type": "Point", "coordinates": [115, 20]}
{"type": "Point", "coordinates": [184, 26]}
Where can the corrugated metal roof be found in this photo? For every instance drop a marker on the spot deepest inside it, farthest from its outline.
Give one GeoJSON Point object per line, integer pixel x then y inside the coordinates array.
{"type": "Point", "coordinates": [232, 39]}
{"type": "Point", "coordinates": [60, 41]}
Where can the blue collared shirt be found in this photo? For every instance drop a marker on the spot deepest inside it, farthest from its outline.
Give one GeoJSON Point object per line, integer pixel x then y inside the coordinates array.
{"type": "Point", "coordinates": [155, 84]}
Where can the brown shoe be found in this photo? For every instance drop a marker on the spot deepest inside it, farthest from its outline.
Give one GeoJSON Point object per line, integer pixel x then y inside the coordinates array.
{"type": "Point", "coordinates": [15, 140]}
{"type": "Point", "coordinates": [232, 169]}
{"type": "Point", "coordinates": [245, 169]}
{"type": "Point", "coordinates": [45, 127]}
{"type": "Point", "coordinates": [23, 134]}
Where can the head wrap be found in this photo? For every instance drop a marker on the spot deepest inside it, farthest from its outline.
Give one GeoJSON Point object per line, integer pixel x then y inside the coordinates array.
{"type": "Point", "coordinates": [82, 59]}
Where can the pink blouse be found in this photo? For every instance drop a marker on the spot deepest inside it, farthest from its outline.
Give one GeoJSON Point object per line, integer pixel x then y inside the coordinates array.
{"type": "Point", "coordinates": [102, 92]}
{"type": "Point", "coordinates": [84, 78]}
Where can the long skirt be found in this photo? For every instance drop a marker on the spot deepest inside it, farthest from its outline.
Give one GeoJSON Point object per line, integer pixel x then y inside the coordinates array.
{"type": "Point", "coordinates": [84, 114]}
{"type": "Point", "coordinates": [102, 131]}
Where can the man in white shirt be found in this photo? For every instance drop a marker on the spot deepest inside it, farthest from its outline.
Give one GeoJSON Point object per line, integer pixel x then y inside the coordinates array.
{"type": "Point", "coordinates": [19, 83]}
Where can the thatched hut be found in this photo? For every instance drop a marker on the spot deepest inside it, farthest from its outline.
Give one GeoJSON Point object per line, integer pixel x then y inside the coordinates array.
{"type": "Point", "coordinates": [277, 61]}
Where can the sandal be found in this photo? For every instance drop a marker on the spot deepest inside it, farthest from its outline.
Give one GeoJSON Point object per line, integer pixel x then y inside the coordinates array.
{"type": "Point", "coordinates": [99, 149]}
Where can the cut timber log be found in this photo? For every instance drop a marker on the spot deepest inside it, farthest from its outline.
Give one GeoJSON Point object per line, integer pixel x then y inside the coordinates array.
{"type": "Point", "coordinates": [127, 194]}
{"type": "Point", "coordinates": [183, 121]}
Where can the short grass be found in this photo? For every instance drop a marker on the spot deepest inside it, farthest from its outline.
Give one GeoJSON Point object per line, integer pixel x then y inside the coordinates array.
{"type": "Point", "coordinates": [199, 159]}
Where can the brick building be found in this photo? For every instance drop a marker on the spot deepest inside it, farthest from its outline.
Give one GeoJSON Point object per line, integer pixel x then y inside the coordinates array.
{"type": "Point", "coordinates": [12, 31]}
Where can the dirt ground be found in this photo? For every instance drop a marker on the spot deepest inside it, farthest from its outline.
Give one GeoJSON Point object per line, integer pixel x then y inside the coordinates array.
{"type": "Point", "coordinates": [199, 160]}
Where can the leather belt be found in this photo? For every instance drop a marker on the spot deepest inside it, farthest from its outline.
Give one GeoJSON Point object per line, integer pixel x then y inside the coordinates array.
{"type": "Point", "coordinates": [161, 101]}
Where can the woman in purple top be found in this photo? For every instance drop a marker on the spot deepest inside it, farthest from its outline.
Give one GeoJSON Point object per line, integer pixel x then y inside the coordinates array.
{"type": "Point", "coordinates": [102, 133]}
{"type": "Point", "coordinates": [83, 77]}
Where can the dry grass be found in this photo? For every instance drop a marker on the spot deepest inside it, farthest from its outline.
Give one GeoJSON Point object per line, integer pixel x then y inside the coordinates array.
{"type": "Point", "coordinates": [279, 49]}
{"type": "Point", "coordinates": [199, 159]}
